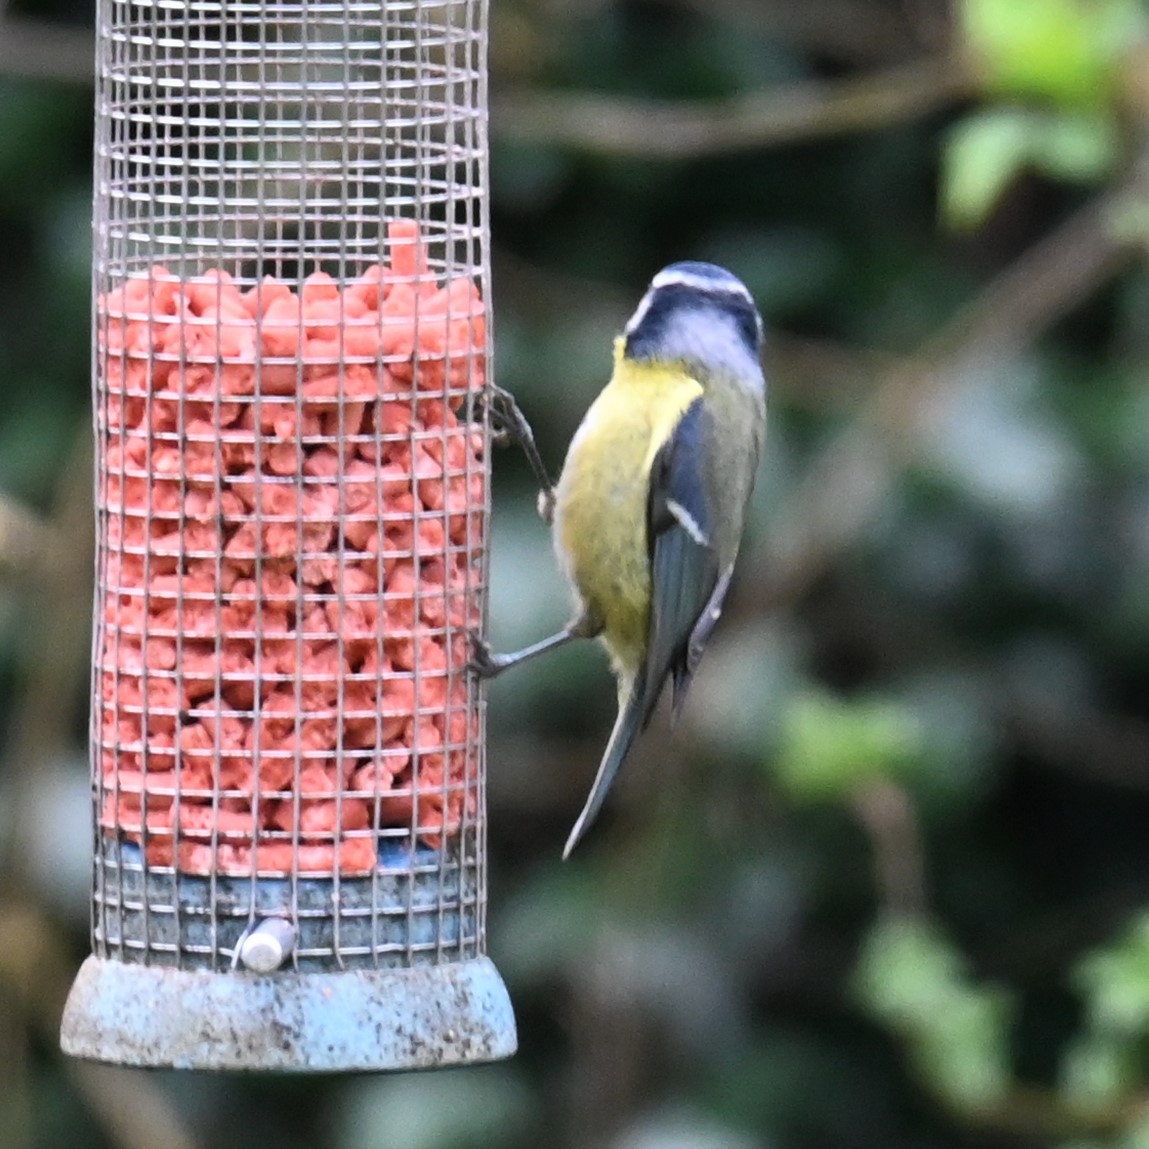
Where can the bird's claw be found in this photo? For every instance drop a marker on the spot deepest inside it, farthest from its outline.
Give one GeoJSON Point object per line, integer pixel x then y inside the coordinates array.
{"type": "Point", "coordinates": [483, 663]}
{"type": "Point", "coordinates": [509, 427]}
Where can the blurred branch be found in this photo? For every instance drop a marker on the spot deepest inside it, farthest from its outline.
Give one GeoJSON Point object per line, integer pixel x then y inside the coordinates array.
{"type": "Point", "coordinates": [131, 1107]}
{"type": "Point", "coordinates": [820, 375]}
{"type": "Point", "coordinates": [1100, 747]}
{"type": "Point", "coordinates": [888, 816]}
{"type": "Point", "coordinates": [676, 130]}
{"type": "Point", "coordinates": [609, 1048]}
{"type": "Point", "coordinates": [527, 288]}
{"type": "Point", "coordinates": [848, 483]}
{"type": "Point", "coordinates": [33, 974]}
{"type": "Point", "coordinates": [931, 21]}
{"type": "Point", "coordinates": [15, 1092]}
{"type": "Point", "coordinates": [46, 51]}
{"type": "Point", "coordinates": [838, 29]}
{"type": "Point", "coordinates": [27, 543]}
{"type": "Point", "coordinates": [1039, 1114]}
{"type": "Point", "coordinates": [60, 612]}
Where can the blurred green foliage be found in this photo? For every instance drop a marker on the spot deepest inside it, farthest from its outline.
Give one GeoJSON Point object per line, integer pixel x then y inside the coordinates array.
{"type": "Point", "coordinates": [831, 745]}
{"type": "Point", "coordinates": [1066, 51]}
{"type": "Point", "coordinates": [887, 883]}
{"type": "Point", "coordinates": [1066, 59]}
{"type": "Point", "coordinates": [986, 151]}
{"type": "Point", "coordinates": [956, 1032]}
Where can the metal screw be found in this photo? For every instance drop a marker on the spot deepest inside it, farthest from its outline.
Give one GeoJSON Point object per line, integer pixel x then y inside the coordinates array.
{"type": "Point", "coordinates": [267, 945]}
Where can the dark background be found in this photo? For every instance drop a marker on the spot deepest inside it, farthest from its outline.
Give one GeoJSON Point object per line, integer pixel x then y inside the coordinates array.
{"type": "Point", "coordinates": [887, 884]}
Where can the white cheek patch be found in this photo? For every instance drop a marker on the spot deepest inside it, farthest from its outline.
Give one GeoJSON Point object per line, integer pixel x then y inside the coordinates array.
{"type": "Point", "coordinates": [713, 339]}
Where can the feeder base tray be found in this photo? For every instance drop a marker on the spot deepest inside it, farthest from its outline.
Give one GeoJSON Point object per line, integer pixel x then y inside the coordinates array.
{"type": "Point", "coordinates": [417, 1018]}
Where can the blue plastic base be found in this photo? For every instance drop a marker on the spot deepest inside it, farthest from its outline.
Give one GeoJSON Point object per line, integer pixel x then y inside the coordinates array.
{"type": "Point", "coordinates": [344, 1021]}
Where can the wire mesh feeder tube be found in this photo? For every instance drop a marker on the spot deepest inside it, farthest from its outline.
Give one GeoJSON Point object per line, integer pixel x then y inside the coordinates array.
{"type": "Point", "coordinates": [292, 500]}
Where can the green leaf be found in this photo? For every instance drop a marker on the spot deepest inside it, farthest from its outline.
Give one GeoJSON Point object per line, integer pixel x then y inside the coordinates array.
{"type": "Point", "coordinates": [829, 746]}
{"type": "Point", "coordinates": [982, 155]}
{"type": "Point", "coordinates": [906, 971]}
{"type": "Point", "coordinates": [1115, 981]}
{"type": "Point", "coordinates": [488, 1105]}
{"type": "Point", "coordinates": [963, 1051]}
{"type": "Point", "coordinates": [987, 150]}
{"type": "Point", "coordinates": [1068, 51]}
{"type": "Point", "coordinates": [1081, 148]}
{"type": "Point", "coordinates": [911, 978]}
{"type": "Point", "coordinates": [1099, 1070]}
{"type": "Point", "coordinates": [1135, 1137]}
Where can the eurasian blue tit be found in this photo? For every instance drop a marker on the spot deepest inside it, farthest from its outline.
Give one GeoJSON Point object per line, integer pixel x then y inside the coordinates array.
{"type": "Point", "coordinates": [648, 511]}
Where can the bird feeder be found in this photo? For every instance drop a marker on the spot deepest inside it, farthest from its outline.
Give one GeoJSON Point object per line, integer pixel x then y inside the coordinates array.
{"type": "Point", "coordinates": [290, 337]}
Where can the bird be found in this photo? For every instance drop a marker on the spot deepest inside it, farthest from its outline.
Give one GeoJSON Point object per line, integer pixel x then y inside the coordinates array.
{"type": "Point", "coordinates": [648, 511]}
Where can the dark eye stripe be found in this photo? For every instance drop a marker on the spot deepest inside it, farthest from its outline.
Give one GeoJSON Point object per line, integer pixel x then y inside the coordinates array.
{"type": "Point", "coordinates": [665, 301]}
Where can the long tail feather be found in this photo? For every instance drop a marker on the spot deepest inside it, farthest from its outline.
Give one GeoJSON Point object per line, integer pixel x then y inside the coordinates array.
{"type": "Point", "coordinates": [626, 728]}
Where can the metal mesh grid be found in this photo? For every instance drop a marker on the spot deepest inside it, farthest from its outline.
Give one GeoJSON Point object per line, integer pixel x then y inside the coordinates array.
{"type": "Point", "coordinates": [290, 318]}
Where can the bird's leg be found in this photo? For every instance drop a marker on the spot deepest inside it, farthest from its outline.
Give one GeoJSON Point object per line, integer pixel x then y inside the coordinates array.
{"type": "Point", "coordinates": [485, 664]}
{"type": "Point", "coordinates": [509, 426]}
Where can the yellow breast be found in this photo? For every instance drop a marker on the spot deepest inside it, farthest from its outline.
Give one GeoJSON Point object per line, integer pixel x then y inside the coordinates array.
{"type": "Point", "coordinates": [601, 497]}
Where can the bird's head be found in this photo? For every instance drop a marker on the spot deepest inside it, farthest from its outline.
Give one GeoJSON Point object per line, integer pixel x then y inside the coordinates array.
{"type": "Point", "coordinates": [702, 316]}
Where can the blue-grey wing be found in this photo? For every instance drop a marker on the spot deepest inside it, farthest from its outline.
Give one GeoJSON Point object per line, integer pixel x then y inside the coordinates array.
{"type": "Point", "coordinates": [687, 584]}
